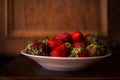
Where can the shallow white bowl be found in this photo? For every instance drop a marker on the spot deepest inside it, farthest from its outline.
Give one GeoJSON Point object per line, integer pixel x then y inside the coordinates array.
{"type": "Point", "coordinates": [64, 63]}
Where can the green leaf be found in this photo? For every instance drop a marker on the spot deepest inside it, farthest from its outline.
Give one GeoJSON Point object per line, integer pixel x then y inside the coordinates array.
{"type": "Point", "coordinates": [45, 41]}
{"type": "Point", "coordinates": [28, 47]}
{"type": "Point", "coordinates": [89, 45]}
{"type": "Point", "coordinates": [94, 38]}
{"type": "Point", "coordinates": [34, 51]}
{"type": "Point", "coordinates": [75, 52]}
{"type": "Point", "coordinates": [90, 39]}
{"type": "Point", "coordinates": [102, 48]}
{"type": "Point", "coordinates": [74, 55]}
{"type": "Point", "coordinates": [93, 50]}
{"type": "Point", "coordinates": [99, 52]}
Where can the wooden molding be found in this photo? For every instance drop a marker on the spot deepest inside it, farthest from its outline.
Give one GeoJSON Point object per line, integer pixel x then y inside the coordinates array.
{"type": "Point", "coordinates": [104, 17]}
{"type": "Point", "coordinates": [11, 32]}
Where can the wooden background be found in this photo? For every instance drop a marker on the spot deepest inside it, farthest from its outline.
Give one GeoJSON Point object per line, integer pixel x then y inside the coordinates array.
{"type": "Point", "coordinates": [114, 20]}
{"type": "Point", "coordinates": [23, 20]}
{"type": "Point", "coordinates": [39, 17]}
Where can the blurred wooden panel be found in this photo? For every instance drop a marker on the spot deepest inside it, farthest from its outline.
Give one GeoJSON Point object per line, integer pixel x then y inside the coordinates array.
{"type": "Point", "coordinates": [1, 18]}
{"type": "Point", "coordinates": [114, 20]}
{"type": "Point", "coordinates": [38, 18]}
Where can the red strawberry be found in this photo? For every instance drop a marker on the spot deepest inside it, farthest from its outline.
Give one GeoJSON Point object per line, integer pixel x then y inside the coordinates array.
{"type": "Point", "coordinates": [53, 42]}
{"type": "Point", "coordinates": [91, 38]}
{"type": "Point", "coordinates": [83, 54]}
{"type": "Point", "coordinates": [37, 48]}
{"type": "Point", "coordinates": [96, 49]}
{"type": "Point", "coordinates": [59, 51]}
{"type": "Point", "coordinates": [77, 44]}
{"type": "Point", "coordinates": [80, 45]}
{"type": "Point", "coordinates": [41, 46]}
{"type": "Point", "coordinates": [86, 39]}
{"type": "Point", "coordinates": [78, 50]}
{"type": "Point", "coordinates": [37, 44]}
{"type": "Point", "coordinates": [65, 37]}
{"type": "Point", "coordinates": [77, 36]}
{"type": "Point", "coordinates": [91, 51]}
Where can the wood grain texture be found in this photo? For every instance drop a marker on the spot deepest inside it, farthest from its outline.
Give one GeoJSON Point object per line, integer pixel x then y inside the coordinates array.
{"type": "Point", "coordinates": [53, 16]}
{"type": "Point", "coordinates": [56, 14]}
{"type": "Point", "coordinates": [1, 18]}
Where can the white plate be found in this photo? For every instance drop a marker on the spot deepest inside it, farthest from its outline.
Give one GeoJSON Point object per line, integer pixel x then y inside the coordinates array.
{"type": "Point", "coordinates": [64, 63]}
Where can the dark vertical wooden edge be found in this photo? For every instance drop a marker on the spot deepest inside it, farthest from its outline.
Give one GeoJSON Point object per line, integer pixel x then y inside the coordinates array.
{"type": "Point", "coordinates": [9, 16]}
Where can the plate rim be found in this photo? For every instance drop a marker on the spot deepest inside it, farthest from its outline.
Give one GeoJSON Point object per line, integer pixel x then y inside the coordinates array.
{"type": "Point", "coordinates": [49, 57]}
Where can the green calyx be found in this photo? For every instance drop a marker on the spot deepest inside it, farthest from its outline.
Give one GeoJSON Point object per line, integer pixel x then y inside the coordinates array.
{"type": "Point", "coordinates": [94, 38]}
{"type": "Point", "coordinates": [34, 51]}
{"type": "Point", "coordinates": [94, 49]}
{"type": "Point", "coordinates": [75, 52]}
{"type": "Point", "coordinates": [97, 48]}
{"type": "Point", "coordinates": [45, 41]}
{"type": "Point", "coordinates": [38, 51]}
{"type": "Point", "coordinates": [28, 48]}
{"type": "Point", "coordinates": [68, 46]}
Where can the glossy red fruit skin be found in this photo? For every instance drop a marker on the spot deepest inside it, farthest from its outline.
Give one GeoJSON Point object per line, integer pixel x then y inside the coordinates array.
{"type": "Point", "coordinates": [86, 39]}
{"type": "Point", "coordinates": [83, 54]}
{"type": "Point", "coordinates": [59, 51]}
{"type": "Point", "coordinates": [65, 37]}
{"type": "Point", "coordinates": [44, 47]}
{"type": "Point", "coordinates": [89, 54]}
{"type": "Point", "coordinates": [53, 42]}
{"type": "Point", "coordinates": [37, 44]}
{"type": "Point", "coordinates": [77, 44]}
{"type": "Point", "coordinates": [77, 36]}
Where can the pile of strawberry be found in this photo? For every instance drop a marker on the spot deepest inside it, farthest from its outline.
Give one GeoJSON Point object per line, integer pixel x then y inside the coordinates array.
{"type": "Point", "coordinates": [69, 45]}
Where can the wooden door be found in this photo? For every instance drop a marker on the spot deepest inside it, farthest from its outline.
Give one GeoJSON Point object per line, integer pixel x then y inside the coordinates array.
{"type": "Point", "coordinates": [23, 20]}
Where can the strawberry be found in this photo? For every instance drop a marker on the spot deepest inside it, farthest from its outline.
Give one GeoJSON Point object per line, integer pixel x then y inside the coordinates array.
{"type": "Point", "coordinates": [65, 37]}
{"type": "Point", "coordinates": [86, 39]}
{"type": "Point", "coordinates": [59, 51]}
{"type": "Point", "coordinates": [91, 50]}
{"type": "Point", "coordinates": [91, 38]}
{"type": "Point", "coordinates": [96, 49]}
{"type": "Point", "coordinates": [69, 45]}
{"type": "Point", "coordinates": [53, 42]}
{"type": "Point", "coordinates": [36, 44]}
{"type": "Point", "coordinates": [77, 36]}
{"type": "Point", "coordinates": [94, 46]}
{"type": "Point", "coordinates": [82, 54]}
{"type": "Point", "coordinates": [78, 50]}
{"type": "Point", "coordinates": [77, 44]}
{"type": "Point", "coordinates": [37, 48]}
